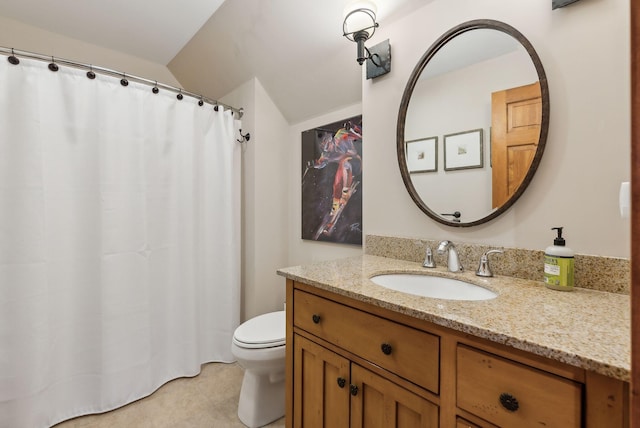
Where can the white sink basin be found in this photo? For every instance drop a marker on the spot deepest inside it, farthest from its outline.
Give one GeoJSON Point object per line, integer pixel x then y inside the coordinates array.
{"type": "Point", "coordinates": [433, 286]}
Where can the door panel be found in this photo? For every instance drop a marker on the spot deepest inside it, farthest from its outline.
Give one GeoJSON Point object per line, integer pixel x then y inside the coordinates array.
{"type": "Point", "coordinates": [319, 400]}
{"type": "Point", "coordinates": [516, 118]}
{"type": "Point", "coordinates": [380, 403]}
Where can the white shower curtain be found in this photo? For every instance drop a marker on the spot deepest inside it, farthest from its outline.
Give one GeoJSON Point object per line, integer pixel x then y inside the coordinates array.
{"type": "Point", "coordinates": [119, 241]}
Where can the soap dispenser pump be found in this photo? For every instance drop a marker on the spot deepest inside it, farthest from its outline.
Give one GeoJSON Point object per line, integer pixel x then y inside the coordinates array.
{"type": "Point", "coordinates": [558, 264]}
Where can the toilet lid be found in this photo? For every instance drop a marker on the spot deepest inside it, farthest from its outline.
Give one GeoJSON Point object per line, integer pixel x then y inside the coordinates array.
{"type": "Point", "coordinates": [263, 331]}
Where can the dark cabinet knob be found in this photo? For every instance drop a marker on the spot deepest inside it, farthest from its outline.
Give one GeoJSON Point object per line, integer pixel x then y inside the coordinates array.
{"type": "Point", "coordinates": [353, 390]}
{"type": "Point", "coordinates": [315, 318]}
{"type": "Point", "coordinates": [509, 402]}
{"type": "Point", "coordinates": [342, 382]}
{"type": "Point", "coordinates": [386, 348]}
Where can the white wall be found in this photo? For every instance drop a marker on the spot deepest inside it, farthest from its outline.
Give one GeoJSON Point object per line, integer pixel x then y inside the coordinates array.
{"type": "Point", "coordinates": [585, 52]}
{"type": "Point", "coordinates": [271, 198]}
{"type": "Point", "coordinates": [265, 165]}
{"type": "Point", "coordinates": [14, 34]}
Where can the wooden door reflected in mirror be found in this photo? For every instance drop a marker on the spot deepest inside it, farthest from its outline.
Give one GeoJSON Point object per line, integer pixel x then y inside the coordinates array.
{"type": "Point", "coordinates": [516, 117]}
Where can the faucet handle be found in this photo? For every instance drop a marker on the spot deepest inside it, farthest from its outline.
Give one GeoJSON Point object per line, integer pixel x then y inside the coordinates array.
{"type": "Point", "coordinates": [428, 259]}
{"type": "Point", "coordinates": [483, 268]}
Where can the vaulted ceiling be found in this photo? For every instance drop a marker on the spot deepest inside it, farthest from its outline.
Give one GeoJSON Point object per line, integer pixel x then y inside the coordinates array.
{"type": "Point", "coordinates": [294, 47]}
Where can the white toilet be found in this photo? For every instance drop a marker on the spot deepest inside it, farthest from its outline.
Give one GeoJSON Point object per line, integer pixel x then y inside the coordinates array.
{"type": "Point", "coordinates": [258, 345]}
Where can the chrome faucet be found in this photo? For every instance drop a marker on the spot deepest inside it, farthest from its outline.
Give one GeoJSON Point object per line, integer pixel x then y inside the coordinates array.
{"type": "Point", "coordinates": [428, 259]}
{"type": "Point", "coordinates": [453, 261]}
{"type": "Point", "coordinates": [484, 269]}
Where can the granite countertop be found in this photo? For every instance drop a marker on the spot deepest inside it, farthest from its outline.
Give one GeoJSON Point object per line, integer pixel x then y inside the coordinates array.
{"type": "Point", "coordinates": [584, 328]}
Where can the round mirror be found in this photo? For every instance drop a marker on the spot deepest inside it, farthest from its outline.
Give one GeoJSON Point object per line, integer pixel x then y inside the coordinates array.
{"type": "Point", "coordinates": [473, 123]}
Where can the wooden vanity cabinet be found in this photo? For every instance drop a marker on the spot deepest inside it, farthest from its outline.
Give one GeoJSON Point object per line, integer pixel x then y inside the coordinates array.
{"type": "Point", "coordinates": [352, 364]}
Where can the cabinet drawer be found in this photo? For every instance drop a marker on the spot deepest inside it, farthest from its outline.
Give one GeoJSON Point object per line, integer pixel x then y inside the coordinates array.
{"type": "Point", "coordinates": [488, 385]}
{"type": "Point", "coordinates": [405, 351]}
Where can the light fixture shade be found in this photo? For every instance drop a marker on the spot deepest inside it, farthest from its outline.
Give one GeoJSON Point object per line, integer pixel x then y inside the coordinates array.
{"type": "Point", "coordinates": [360, 20]}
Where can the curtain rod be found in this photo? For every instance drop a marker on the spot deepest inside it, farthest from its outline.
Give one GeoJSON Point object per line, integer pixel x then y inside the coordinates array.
{"type": "Point", "coordinates": [102, 70]}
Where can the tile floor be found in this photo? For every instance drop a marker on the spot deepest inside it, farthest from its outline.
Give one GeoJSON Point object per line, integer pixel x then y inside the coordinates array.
{"type": "Point", "coordinates": [209, 400]}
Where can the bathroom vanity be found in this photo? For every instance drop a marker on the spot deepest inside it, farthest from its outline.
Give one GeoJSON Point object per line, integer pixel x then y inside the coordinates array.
{"type": "Point", "coordinates": [362, 355]}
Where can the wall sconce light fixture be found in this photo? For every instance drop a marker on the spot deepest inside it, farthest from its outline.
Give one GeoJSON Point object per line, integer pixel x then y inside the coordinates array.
{"type": "Point", "coordinates": [358, 26]}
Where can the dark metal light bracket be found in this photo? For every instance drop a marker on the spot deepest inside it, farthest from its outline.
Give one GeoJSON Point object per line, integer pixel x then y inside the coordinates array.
{"type": "Point", "coordinates": [379, 61]}
{"type": "Point", "coordinates": [555, 4]}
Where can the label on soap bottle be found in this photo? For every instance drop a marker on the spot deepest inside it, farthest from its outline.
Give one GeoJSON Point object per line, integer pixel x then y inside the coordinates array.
{"type": "Point", "coordinates": [558, 272]}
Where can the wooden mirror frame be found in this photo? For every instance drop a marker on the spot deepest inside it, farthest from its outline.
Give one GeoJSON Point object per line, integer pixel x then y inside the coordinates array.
{"type": "Point", "coordinates": [406, 97]}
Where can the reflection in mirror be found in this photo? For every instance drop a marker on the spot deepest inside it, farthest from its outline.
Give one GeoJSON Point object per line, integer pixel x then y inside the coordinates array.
{"type": "Point", "coordinates": [473, 123]}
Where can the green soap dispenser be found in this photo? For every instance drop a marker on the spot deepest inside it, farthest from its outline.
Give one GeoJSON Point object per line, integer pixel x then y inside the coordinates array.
{"type": "Point", "coordinates": [558, 264]}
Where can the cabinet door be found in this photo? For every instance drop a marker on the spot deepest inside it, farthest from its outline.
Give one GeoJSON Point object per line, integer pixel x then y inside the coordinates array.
{"type": "Point", "coordinates": [378, 402]}
{"type": "Point", "coordinates": [320, 385]}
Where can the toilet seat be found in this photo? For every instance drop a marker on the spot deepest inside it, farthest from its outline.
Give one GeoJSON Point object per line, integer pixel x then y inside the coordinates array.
{"type": "Point", "coordinates": [263, 331]}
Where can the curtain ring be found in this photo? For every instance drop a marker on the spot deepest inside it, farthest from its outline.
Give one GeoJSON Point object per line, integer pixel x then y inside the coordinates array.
{"type": "Point", "coordinates": [53, 66]}
{"type": "Point", "coordinates": [13, 59]}
{"type": "Point", "coordinates": [90, 74]}
{"type": "Point", "coordinates": [215, 107]}
{"type": "Point", "coordinates": [201, 102]}
{"type": "Point", "coordinates": [180, 96]}
{"type": "Point", "coordinates": [124, 81]}
{"type": "Point", "coordinates": [155, 89]}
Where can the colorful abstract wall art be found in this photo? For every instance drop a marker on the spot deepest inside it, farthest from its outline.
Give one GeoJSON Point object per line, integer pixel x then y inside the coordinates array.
{"type": "Point", "coordinates": [332, 182]}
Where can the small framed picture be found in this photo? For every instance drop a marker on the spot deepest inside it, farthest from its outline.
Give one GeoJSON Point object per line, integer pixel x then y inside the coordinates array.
{"type": "Point", "coordinates": [463, 150]}
{"type": "Point", "coordinates": [422, 155]}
